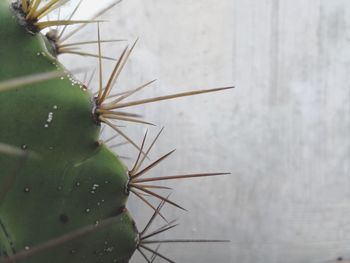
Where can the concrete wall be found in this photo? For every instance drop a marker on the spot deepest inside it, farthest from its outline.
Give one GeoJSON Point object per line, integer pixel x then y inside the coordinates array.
{"type": "Point", "coordinates": [283, 132]}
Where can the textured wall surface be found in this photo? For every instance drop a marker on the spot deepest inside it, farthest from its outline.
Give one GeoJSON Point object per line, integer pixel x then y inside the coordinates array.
{"type": "Point", "coordinates": [283, 132]}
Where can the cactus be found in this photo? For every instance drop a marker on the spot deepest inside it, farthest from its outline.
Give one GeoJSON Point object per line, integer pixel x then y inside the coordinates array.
{"type": "Point", "coordinates": [68, 204]}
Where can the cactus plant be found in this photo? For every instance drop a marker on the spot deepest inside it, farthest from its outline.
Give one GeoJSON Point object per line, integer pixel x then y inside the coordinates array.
{"type": "Point", "coordinates": [69, 203]}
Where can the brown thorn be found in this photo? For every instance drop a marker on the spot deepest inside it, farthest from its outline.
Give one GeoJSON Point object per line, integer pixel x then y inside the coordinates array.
{"type": "Point", "coordinates": [118, 145]}
{"type": "Point", "coordinates": [70, 17]}
{"type": "Point", "coordinates": [120, 132]}
{"type": "Point", "coordinates": [127, 119]}
{"type": "Point", "coordinates": [117, 95]}
{"type": "Point", "coordinates": [158, 196]}
{"type": "Point", "coordinates": [117, 70]}
{"type": "Point", "coordinates": [58, 17]}
{"type": "Point", "coordinates": [33, 9]}
{"type": "Point", "coordinates": [90, 42]}
{"type": "Point", "coordinates": [162, 230]}
{"type": "Point", "coordinates": [43, 25]}
{"type": "Point", "coordinates": [152, 186]}
{"type": "Point", "coordinates": [91, 78]}
{"type": "Point", "coordinates": [59, 5]}
{"type": "Point", "coordinates": [139, 155]}
{"type": "Point", "coordinates": [93, 18]}
{"type": "Point", "coordinates": [24, 6]}
{"type": "Point", "coordinates": [120, 94]}
{"type": "Point", "coordinates": [128, 94]}
{"type": "Point", "coordinates": [143, 255]}
{"type": "Point", "coordinates": [41, 11]}
{"type": "Point", "coordinates": [149, 150]}
{"type": "Point", "coordinates": [121, 113]}
{"type": "Point", "coordinates": [168, 97]}
{"type": "Point", "coordinates": [111, 138]}
{"type": "Point", "coordinates": [85, 54]}
{"type": "Point", "coordinates": [175, 177]}
{"type": "Point", "coordinates": [31, 2]}
{"type": "Point", "coordinates": [61, 50]}
{"type": "Point", "coordinates": [184, 241]}
{"type": "Point", "coordinates": [157, 253]}
{"type": "Point", "coordinates": [165, 226]}
{"type": "Point", "coordinates": [123, 64]}
{"type": "Point", "coordinates": [154, 256]}
{"type": "Point", "coordinates": [99, 64]}
{"type": "Point", "coordinates": [102, 130]}
{"type": "Point", "coordinates": [152, 165]}
{"type": "Point", "coordinates": [85, 77]}
{"type": "Point", "coordinates": [112, 76]}
{"type": "Point", "coordinates": [143, 194]}
{"type": "Point", "coordinates": [160, 206]}
{"type": "Point", "coordinates": [147, 203]}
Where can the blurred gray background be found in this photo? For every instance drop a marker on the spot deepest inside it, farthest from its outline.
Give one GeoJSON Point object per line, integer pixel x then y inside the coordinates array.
{"type": "Point", "coordinates": [283, 132]}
